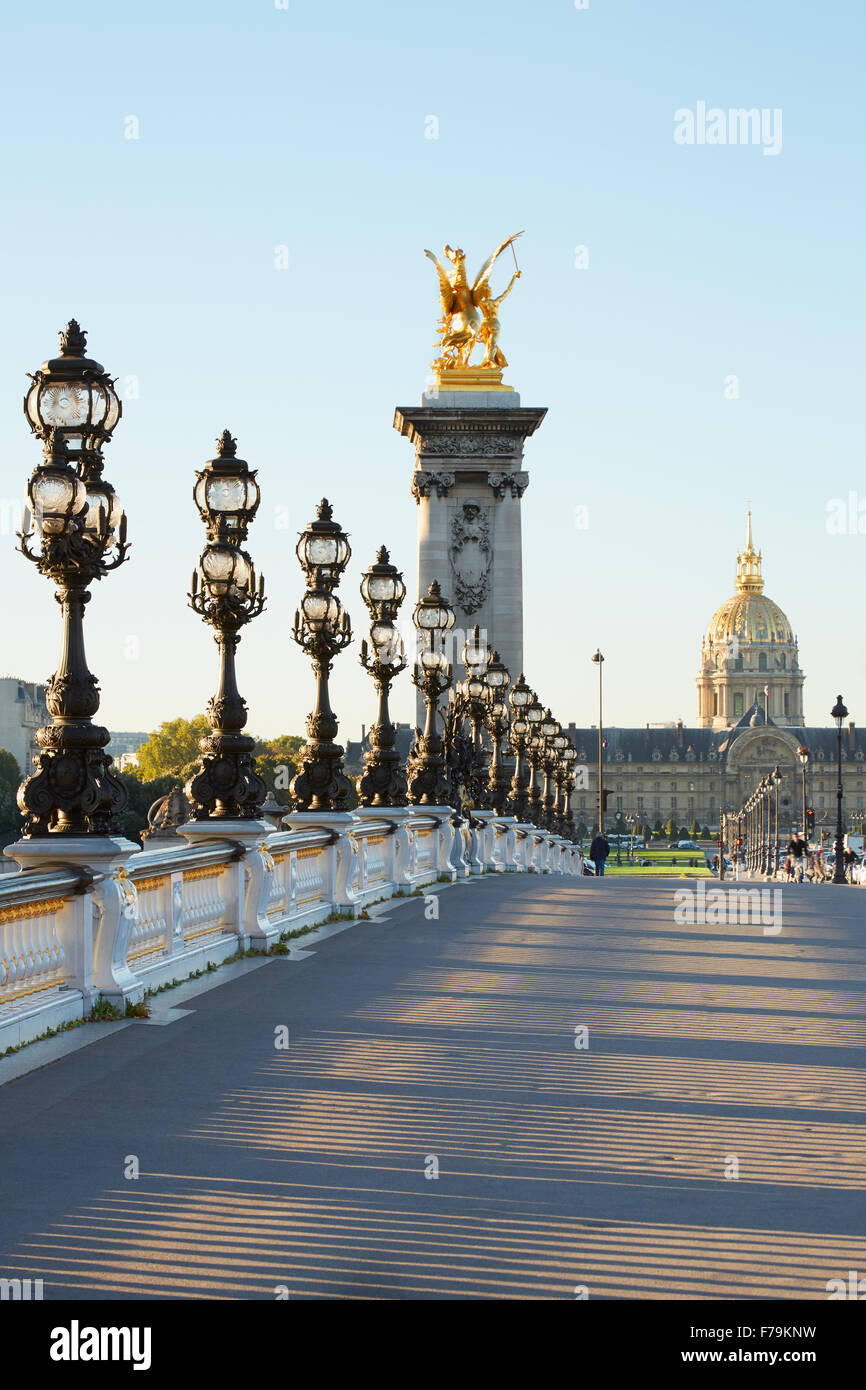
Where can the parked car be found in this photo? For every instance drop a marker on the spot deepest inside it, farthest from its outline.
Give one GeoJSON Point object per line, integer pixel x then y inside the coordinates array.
{"type": "Point", "coordinates": [685, 844]}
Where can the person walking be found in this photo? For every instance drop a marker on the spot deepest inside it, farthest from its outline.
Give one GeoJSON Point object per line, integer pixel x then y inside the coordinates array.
{"type": "Point", "coordinates": [797, 851]}
{"type": "Point", "coordinates": [598, 852]}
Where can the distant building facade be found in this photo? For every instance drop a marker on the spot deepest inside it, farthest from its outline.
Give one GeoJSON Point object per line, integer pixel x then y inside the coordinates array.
{"type": "Point", "coordinates": [22, 712]}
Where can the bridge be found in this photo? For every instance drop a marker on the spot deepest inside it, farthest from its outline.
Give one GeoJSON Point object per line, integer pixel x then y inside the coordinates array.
{"type": "Point", "coordinates": [515, 1085]}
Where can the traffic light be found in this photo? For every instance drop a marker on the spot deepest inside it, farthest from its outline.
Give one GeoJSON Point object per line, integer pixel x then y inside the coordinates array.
{"type": "Point", "coordinates": [810, 820]}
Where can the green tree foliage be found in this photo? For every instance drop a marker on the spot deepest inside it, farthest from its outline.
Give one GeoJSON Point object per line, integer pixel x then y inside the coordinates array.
{"type": "Point", "coordinates": [694, 829]}
{"type": "Point", "coordinates": [172, 748]}
{"type": "Point", "coordinates": [277, 761]}
{"type": "Point", "coordinates": [10, 779]}
{"type": "Point", "coordinates": [142, 795]}
{"type": "Point", "coordinates": [670, 828]}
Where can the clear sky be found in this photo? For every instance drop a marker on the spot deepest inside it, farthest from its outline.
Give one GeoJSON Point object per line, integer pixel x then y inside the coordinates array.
{"type": "Point", "coordinates": [305, 127]}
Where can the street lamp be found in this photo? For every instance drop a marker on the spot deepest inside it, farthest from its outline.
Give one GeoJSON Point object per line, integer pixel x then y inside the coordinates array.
{"type": "Point", "coordinates": [534, 716]}
{"type": "Point", "coordinates": [839, 712]}
{"type": "Point", "coordinates": [520, 697]}
{"type": "Point", "coordinates": [383, 590]}
{"type": "Point", "coordinates": [777, 782]}
{"type": "Point", "coordinates": [81, 528]}
{"type": "Point", "coordinates": [803, 755]}
{"type": "Point", "coordinates": [568, 758]}
{"type": "Point", "coordinates": [498, 679]}
{"type": "Point", "coordinates": [599, 661]}
{"type": "Point", "coordinates": [548, 728]}
{"type": "Point", "coordinates": [227, 595]}
{"type": "Point", "coordinates": [433, 617]}
{"type": "Point", "coordinates": [322, 629]}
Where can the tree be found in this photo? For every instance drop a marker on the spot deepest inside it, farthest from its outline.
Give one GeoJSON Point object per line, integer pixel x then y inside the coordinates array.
{"type": "Point", "coordinates": [277, 761]}
{"type": "Point", "coordinates": [670, 828]}
{"type": "Point", "coordinates": [172, 748]}
{"type": "Point", "coordinates": [694, 829]}
{"type": "Point", "coordinates": [647, 833]}
{"type": "Point", "coordinates": [142, 795]}
{"type": "Point", "coordinates": [10, 779]}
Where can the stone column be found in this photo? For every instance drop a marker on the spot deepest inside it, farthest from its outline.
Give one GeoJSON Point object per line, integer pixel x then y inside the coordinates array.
{"type": "Point", "coordinates": [468, 481]}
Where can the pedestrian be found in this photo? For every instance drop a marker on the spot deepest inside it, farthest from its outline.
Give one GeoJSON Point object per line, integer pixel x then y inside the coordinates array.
{"type": "Point", "coordinates": [598, 852]}
{"type": "Point", "coordinates": [789, 868]}
{"type": "Point", "coordinates": [849, 859]}
{"type": "Point", "coordinates": [797, 851]}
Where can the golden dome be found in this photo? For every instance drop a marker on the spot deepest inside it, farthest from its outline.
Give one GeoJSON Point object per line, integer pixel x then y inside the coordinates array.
{"type": "Point", "coordinates": [749, 616]}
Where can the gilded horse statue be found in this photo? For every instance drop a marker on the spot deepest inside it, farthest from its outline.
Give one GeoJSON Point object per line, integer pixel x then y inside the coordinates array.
{"type": "Point", "coordinates": [469, 312]}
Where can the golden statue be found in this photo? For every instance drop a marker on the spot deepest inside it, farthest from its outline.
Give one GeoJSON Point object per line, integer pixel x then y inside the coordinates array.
{"type": "Point", "coordinates": [469, 314]}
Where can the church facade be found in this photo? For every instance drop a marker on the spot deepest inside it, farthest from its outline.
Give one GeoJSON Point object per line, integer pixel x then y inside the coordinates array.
{"type": "Point", "coordinates": [750, 719]}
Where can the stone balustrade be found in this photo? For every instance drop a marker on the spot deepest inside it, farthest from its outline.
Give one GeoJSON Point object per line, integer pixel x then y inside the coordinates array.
{"type": "Point", "coordinates": [70, 935]}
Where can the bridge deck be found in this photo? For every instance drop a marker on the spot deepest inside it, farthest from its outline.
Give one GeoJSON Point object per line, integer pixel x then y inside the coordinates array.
{"type": "Point", "coordinates": [414, 1042]}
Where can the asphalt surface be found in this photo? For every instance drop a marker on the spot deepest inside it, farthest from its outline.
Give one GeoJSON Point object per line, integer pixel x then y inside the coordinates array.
{"type": "Point", "coordinates": [707, 1141]}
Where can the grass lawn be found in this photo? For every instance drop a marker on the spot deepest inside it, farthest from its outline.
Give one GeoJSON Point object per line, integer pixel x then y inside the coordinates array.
{"type": "Point", "coordinates": [661, 863]}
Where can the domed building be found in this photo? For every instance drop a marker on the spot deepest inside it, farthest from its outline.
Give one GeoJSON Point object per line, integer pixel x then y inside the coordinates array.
{"type": "Point", "coordinates": [675, 775]}
{"type": "Point", "coordinates": [749, 654]}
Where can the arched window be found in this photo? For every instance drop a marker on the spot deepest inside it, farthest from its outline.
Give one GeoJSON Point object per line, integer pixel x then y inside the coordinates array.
{"type": "Point", "coordinates": [782, 661]}
{"type": "Point", "coordinates": [738, 663]}
{"type": "Point", "coordinates": [762, 661]}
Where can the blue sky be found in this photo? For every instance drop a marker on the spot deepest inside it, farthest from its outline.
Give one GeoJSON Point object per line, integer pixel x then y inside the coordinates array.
{"type": "Point", "coordinates": [305, 127]}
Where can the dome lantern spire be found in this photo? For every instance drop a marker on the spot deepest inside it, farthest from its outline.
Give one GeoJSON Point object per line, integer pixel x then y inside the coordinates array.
{"type": "Point", "coordinates": [749, 577]}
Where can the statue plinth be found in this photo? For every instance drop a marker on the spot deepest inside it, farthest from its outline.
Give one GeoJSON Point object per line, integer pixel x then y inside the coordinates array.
{"type": "Point", "coordinates": [468, 379]}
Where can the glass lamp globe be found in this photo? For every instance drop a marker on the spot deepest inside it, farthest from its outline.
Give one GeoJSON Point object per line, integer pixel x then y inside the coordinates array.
{"type": "Point", "coordinates": [73, 393]}
{"type": "Point", "coordinates": [382, 586]}
{"type": "Point", "coordinates": [321, 609]}
{"type": "Point", "coordinates": [56, 495]}
{"type": "Point", "coordinates": [433, 613]}
{"type": "Point", "coordinates": [323, 549]}
{"type": "Point", "coordinates": [226, 492]}
{"type": "Point", "coordinates": [225, 570]}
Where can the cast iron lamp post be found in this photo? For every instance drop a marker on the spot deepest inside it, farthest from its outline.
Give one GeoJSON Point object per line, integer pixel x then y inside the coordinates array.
{"type": "Point", "coordinates": [520, 698]}
{"type": "Point", "coordinates": [433, 617]}
{"type": "Point", "coordinates": [839, 712]}
{"type": "Point", "coordinates": [534, 716]}
{"type": "Point", "coordinates": [776, 778]}
{"type": "Point", "coordinates": [549, 728]}
{"type": "Point", "coordinates": [559, 743]}
{"type": "Point", "coordinates": [568, 758]}
{"type": "Point", "coordinates": [383, 590]}
{"type": "Point", "coordinates": [599, 661]}
{"type": "Point", "coordinates": [498, 680]}
{"type": "Point", "coordinates": [803, 755]}
{"type": "Point", "coordinates": [81, 528]}
{"type": "Point", "coordinates": [322, 629]}
{"type": "Point", "coordinates": [227, 595]}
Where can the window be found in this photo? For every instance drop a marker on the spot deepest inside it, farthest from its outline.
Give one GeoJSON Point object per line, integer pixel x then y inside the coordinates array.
{"type": "Point", "coordinates": [738, 705]}
{"type": "Point", "coordinates": [657, 803]}
{"type": "Point", "coordinates": [673, 803]}
{"type": "Point", "coordinates": [787, 710]}
{"type": "Point", "coordinates": [762, 661]}
{"type": "Point", "coordinates": [619, 803]}
{"type": "Point", "coordinates": [715, 702]}
{"type": "Point", "coordinates": [782, 661]}
{"type": "Point", "coordinates": [738, 663]}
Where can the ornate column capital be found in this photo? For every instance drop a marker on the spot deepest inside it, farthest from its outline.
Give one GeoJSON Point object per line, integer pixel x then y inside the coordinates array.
{"type": "Point", "coordinates": [424, 482]}
{"type": "Point", "coordinates": [515, 483]}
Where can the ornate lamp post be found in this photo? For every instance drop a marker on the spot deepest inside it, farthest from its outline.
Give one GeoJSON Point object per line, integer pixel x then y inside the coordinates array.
{"type": "Point", "coordinates": [534, 717]}
{"type": "Point", "coordinates": [568, 757]}
{"type": "Point", "coordinates": [803, 755]}
{"type": "Point", "coordinates": [81, 528]}
{"type": "Point", "coordinates": [497, 679]}
{"type": "Point", "coordinates": [433, 617]}
{"type": "Point", "coordinates": [776, 778]}
{"type": "Point", "coordinates": [322, 629]}
{"type": "Point", "coordinates": [549, 728]}
{"type": "Point", "coordinates": [383, 590]}
{"type": "Point", "coordinates": [839, 712]}
{"type": "Point", "coordinates": [227, 595]}
{"type": "Point", "coordinates": [520, 698]}
{"type": "Point", "coordinates": [599, 661]}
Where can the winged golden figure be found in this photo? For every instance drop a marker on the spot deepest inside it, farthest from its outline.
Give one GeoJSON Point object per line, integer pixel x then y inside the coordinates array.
{"type": "Point", "coordinates": [469, 312]}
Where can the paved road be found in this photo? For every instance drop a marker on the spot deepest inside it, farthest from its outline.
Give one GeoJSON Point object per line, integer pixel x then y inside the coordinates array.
{"type": "Point", "coordinates": [415, 1043]}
